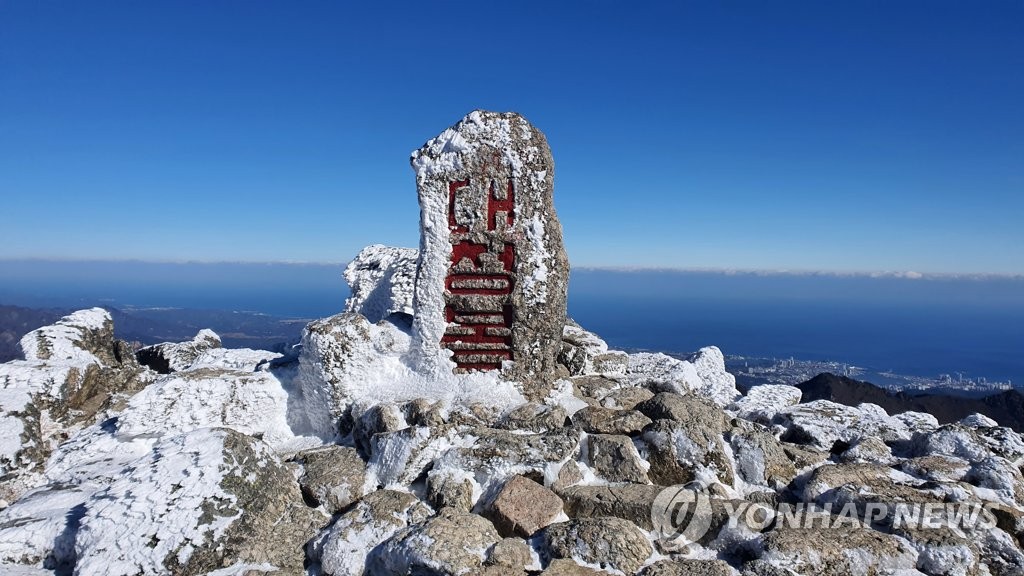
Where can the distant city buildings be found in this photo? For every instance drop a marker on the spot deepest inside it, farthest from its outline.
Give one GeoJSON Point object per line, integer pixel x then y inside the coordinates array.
{"type": "Point", "coordinates": [755, 371]}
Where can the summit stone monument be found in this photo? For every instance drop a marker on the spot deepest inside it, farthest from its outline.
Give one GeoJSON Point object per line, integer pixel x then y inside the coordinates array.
{"type": "Point", "coordinates": [492, 273]}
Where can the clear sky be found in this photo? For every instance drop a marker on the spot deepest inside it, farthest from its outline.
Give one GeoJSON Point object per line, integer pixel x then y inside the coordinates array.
{"type": "Point", "coordinates": [860, 135]}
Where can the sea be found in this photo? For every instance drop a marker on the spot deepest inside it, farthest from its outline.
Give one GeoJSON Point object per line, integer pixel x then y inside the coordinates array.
{"type": "Point", "coordinates": [922, 326]}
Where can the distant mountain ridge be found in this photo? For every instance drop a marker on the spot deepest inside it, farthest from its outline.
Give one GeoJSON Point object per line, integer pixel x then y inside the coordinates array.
{"type": "Point", "coordinates": [153, 325]}
{"type": "Point", "coordinates": [1006, 408]}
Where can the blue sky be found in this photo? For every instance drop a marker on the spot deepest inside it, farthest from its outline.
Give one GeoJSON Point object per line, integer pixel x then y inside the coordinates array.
{"type": "Point", "coordinates": [753, 135]}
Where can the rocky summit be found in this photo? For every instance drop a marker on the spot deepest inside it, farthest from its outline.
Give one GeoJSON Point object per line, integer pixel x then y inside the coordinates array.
{"type": "Point", "coordinates": [452, 420]}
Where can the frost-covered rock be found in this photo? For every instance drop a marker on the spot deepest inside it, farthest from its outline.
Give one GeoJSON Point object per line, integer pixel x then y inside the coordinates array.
{"type": "Point", "coordinates": [837, 552]}
{"type": "Point", "coordinates": [534, 417]}
{"type": "Point", "coordinates": [978, 421]}
{"type": "Point", "coordinates": [452, 489]}
{"type": "Point", "coordinates": [584, 352]}
{"type": "Point", "coordinates": [917, 421]}
{"type": "Point", "coordinates": [685, 442]}
{"type": "Point", "coordinates": [485, 191]}
{"type": "Point", "coordinates": [822, 423]}
{"type": "Point", "coordinates": [253, 403]}
{"type": "Point", "coordinates": [688, 567]}
{"type": "Point", "coordinates": [702, 373]}
{"type": "Point", "coordinates": [869, 449]}
{"type": "Point", "coordinates": [74, 372]}
{"type": "Point", "coordinates": [40, 527]}
{"type": "Point", "coordinates": [400, 457]}
{"type": "Point", "coordinates": [760, 459]}
{"type": "Point", "coordinates": [609, 542]}
{"type": "Point", "coordinates": [600, 420]}
{"type": "Point", "coordinates": [382, 279]}
{"type": "Point", "coordinates": [864, 483]}
{"type": "Point", "coordinates": [175, 356]}
{"type": "Point", "coordinates": [940, 468]}
{"type": "Point", "coordinates": [452, 542]}
{"type": "Point", "coordinates": [377, 419]}
{"type": "Point", "coordinates": [496, 455]}
{"type": "Point", "coordinates": [195, 503]}
{"type": "Point", "coordinates": [615, 458]}
{"type": "Point", "coordinates": [762, 403]}
{"type": "Point", "coordinates": [346, 359]}
{"type": "Point", "coordinates": [971, 444]}
{"type": "Point", "coordinates": [717, 384]}
{"type": "Point", "coordinates": [332, 476]}
{"type": "Point", "coordinates": [342, 548]}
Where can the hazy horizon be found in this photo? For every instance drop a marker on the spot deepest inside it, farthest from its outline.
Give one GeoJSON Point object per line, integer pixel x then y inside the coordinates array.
{"type": "Point", "coordinates": [922, 326]}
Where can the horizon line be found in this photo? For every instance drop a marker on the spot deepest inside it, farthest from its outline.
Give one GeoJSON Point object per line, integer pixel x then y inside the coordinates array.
{"type": "Point", "coordinates": [727, 271]}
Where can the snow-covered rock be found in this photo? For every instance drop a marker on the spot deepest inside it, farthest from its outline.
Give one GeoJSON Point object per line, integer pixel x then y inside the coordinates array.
{"type": "Point", "coordinates": [837, 552]}
{"type": "Point", "coordinates": [332, 476]}
{"type": "Point", "coordinates": [345, 359]}
{"type": "Point", "coordinates": [584, 352]}
{"type": "Point", "coordinates": [759, 458]}
{"type": "Point", "coordinates": [253, 403]}
{"type": "Point", "coordinates": [382, 279]}
{"type": "Point", "coordinates": [762, 403]}
{"type": "Point", "coordinates": [197, 502]}
{"type": "Point", "coordinates": [342, 549]}
{"type": "Point", "coordinates": [184, 504]}
{"type": "Point", "coordinates": [686, 440]}
{"type": "Point", "coordinates": [917, 421]}
{"type": "Point", "coordinates": [452, 542]}
{"type": "Point", "coordinates": [703, 374]}
{"type": "Point", "coordinates": [978, 421]}
{"type": "Point", "coordinates": [487, 182]}
{"type": "Point", "coordinates": [175, 356]}
{"type": "Point", "coordinates": [822, 423]}
{"type": "Point", "coordinates": [74, 371]}
{"type": "Point", "coordinates": [609, 542]}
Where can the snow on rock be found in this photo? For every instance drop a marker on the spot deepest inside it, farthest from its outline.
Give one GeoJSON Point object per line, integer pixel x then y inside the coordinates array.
{"type": "Point", "coordinates": [73, 339]}
{"type": "Point", "coordinates": [195, 503]}
{"type": "Point", "coordinates": [584, 352]}
{"type": "Point", "coordinates": [253, 403]}
{"type": "Point", "coordinates": [240, 359]}
{"type": "Point", "coordinates": [342, 549]}
{"type": "Point", "coordinates": [717, 384]}
{"type": "Point", "coordinates": [73, 372]}
{"type": "Point", "coordinates": [491, 157]}
{"type": "Point", "coordinates": [452, 542]}
{"type": "Point", "coordinates": [346, 359]}
{"type": "Point", "coordinates": [176, 356]}
{"type": "Point", "coordinates": [662, 373]}
{"type": "Point", "coordinates": [183, 504]}
{"type": "Point", "coordinates": [978, 421]}
{"type": "Point", "coordinates": [822, 423]}
{"type": "Point", "coordinates": [382, 279]}
{"type": "Point", "coordinates": [703, 373]}
{"type": "Point", "coordinates": [763, 402]}
{"type": "Point", "coordinates": [971, 444]}
{"type": "Point", "coordinates": [35, 530]}
{"type": "Point", "coordinates": [917, 421]}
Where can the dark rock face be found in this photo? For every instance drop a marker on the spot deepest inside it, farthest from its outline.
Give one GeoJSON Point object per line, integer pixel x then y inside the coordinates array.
{"type": "Point", "coordinates": [492, 275]}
